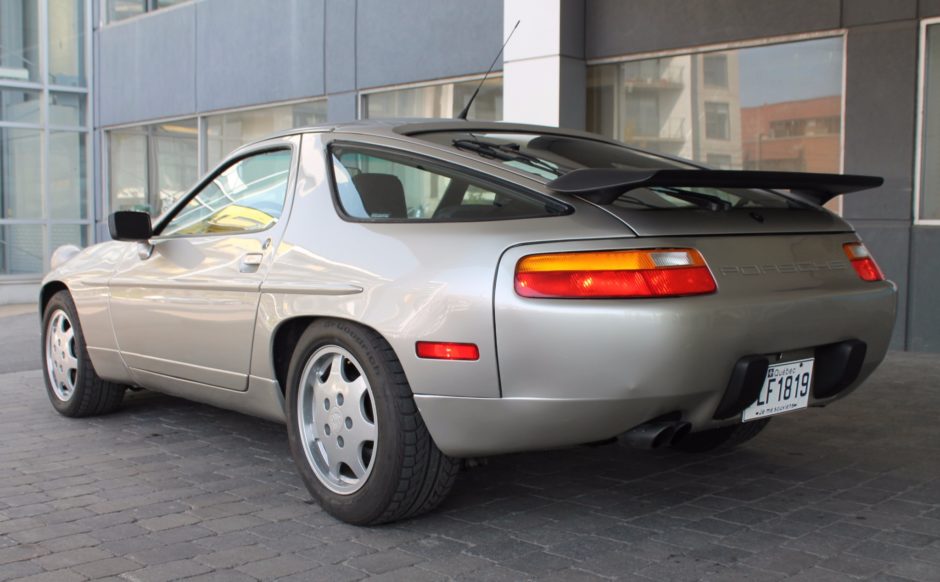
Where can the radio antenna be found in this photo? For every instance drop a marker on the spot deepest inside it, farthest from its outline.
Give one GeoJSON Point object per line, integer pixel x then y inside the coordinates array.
{"type": "Point", "coordinates": [466, 109]}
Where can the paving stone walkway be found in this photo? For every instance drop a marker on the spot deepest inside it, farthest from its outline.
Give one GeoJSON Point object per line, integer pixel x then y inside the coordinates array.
{"type": "Point", "coordinates": [166, 489]}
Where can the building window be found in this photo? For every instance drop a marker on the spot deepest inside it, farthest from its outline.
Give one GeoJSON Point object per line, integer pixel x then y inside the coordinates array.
{"type": "Point", "coordinates": [443, 100]}
{"type": "Point", "coordinates": [763, 107]}
{"type": "Point", "coordinates": [121, 9]}
{"type": "Point", "coordinates": [717, 120]}
{"type": "Point", "coordinates": [228, 131]}
{"type": "Point", "coordinates": [151, 166]}
{"type": "Point", "coordinates": [928, 191]}
{"type": "Point", "coordinates": [45, 198]}
{"type": "Point", "coordinates": [715, 70]}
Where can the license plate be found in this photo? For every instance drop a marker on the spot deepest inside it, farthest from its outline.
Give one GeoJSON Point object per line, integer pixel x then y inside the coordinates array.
{"type": "Point", "coordinates": [786, 388]}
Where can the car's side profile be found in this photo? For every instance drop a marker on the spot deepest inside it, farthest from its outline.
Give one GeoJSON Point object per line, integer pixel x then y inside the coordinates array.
{"type": "Point", "coordinates": [403, 295]}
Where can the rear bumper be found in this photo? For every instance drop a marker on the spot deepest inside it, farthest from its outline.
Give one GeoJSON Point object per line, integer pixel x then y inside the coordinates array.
{"type": "Point", "coordinates": [472, 427]}
{"type": "Point", "coordinates": [614, 368]}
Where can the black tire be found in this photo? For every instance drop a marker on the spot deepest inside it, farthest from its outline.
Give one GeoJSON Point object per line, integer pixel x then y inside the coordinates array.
{"type": "Point", "coordinates": [409, 475]}
{"type": "Point", "coordinates": [726, 437]}
{"type": "Point", "coordinates": [90, 395]}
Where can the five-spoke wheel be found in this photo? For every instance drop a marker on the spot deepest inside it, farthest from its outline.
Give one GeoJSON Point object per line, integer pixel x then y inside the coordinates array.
{"type": "Point", "coordinates": [355, 432]}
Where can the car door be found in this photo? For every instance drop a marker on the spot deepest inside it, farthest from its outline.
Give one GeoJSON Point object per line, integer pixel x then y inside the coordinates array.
{"type": "Point", "coordinates": [184, 306]}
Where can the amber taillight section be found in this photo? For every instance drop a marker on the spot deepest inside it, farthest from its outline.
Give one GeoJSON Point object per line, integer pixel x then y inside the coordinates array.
{"type": "Point", "coordinates": [614, 274]}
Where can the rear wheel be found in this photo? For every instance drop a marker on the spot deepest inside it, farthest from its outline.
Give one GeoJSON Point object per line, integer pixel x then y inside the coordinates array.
{"type": "Point", "coordinates": [71, 382]}
{"type": "Point", "coordinates": [355, 432]}
{"type": "Point", "coordinates": [725, 437]}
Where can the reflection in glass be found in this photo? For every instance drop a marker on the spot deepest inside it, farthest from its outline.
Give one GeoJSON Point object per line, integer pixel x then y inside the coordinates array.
{"type": "Point", "coordinates": [67, 109]}
{"type": "Point", "coordinates": [437, 101]}
{"type": "Point", "coordinates": [127, 164]}
{"type": "Point", "coordinates": [68, 175]}
{"type": "Point", "coordinates": [19, 40]}
{"type": "Point", "coordinates": [20, 173]}
{"type": "Point", "coordinates": [152, 166]}
{"type": "Point", "coordinates": [67, 42]}
{"type": "Point", "coordinates": [229, 131]}
{"type": "Point", "coordinates": [775, 107]}
{"type": "Point", "coordinates": [930, 170]}
{"type": "Point", "coordinates": [68, 234]}
{"type": "Point", "coordinates": [21, 106]}
{"type": "Point", "coordinates": [21, 249]}
{"type": "Point", "coordinates": [247, 197]}
{"type": "Point", "coordinates": [121, 9]}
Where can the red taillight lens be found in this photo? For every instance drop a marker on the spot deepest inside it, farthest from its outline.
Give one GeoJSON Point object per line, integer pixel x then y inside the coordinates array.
{"type": "Point", "coordinates": [614, 274]}
{"type": "Point", "coordinates": [447, 351]}
{"type": "Point", "coordinates": [862, 261]}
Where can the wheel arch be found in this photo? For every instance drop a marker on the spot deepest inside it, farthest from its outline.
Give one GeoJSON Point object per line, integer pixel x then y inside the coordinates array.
{"type": "Point", "coordinates": [46, 293]}
{"type": "Point", "coordinates": [287, 334]}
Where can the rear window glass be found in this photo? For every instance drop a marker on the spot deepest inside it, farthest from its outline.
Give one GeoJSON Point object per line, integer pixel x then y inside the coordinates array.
{"type": "Point", "coordinates": [377, 185]}
{"type": "Point", "coordinates": [549, 156]}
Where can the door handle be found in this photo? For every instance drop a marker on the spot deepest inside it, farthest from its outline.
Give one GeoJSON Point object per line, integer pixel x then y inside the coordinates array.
{"type": "Point", "coordinates": [250, 262]}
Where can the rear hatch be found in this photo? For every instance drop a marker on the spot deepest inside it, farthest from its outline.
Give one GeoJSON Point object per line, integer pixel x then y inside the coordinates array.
{"type": "Point", "coordinates": [737, 221]}
{"type": "Point", "coordinates": [656, 195]}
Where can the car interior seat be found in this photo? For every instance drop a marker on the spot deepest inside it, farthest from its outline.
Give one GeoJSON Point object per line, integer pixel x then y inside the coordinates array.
{"type": "Point", "coordinates": [383, 195]}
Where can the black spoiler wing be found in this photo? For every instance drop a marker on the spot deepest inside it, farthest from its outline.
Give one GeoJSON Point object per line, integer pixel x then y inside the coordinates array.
{"type": "Point", "coordinates": [603, 185]}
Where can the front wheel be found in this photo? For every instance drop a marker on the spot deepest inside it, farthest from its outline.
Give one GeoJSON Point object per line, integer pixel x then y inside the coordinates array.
{"type": "Point", "coordinates": [355, 432]}
{"type": "Point", "coordinates": [73, 386]}
{"type": "Point", "coordinates": [725, 437]}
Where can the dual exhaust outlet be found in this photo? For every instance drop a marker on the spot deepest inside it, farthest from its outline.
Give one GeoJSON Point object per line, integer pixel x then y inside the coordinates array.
{"type": "Point", "coordinates": [653, 435]}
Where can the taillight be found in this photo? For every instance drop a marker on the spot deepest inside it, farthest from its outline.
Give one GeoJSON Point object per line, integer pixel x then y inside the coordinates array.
{"type": "Point", "coordinates": [862, 261]}
{"type": "Point", "coordinates": [614, 274]}
{"type": "Point", "coordinates": [447, 351]}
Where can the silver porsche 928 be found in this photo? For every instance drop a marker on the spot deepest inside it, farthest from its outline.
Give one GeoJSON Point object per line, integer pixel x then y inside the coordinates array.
{"type": "Point", "coordinates": [403, 295]}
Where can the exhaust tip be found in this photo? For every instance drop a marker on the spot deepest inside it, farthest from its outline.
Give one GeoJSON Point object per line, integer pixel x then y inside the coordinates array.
{"type": "Point", "coordinates": [651, 435]}
{"type": "Point", "coordinates": [664, 437]}
{"type": "Point", "coordinates": [682, 430]}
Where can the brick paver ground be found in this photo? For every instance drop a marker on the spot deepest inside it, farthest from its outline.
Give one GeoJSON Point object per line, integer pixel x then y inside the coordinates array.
{"type": "Point", "coordinates": [166, 489]}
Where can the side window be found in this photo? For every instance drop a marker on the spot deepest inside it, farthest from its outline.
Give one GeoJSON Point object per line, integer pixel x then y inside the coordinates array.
{"type": "Point", "coordinates": [247, 197]}
{"type": "Point", "coordinates": [379, 186]}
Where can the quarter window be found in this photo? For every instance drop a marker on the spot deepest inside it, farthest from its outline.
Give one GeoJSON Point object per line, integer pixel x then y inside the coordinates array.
{"type": "Point", "coordinates": [248, 196]}
{"type": "Point", "coordinates": [386, 187]}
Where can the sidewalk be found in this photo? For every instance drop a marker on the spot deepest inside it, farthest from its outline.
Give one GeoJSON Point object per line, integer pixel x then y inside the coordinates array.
{"type": "Point", "coordinates": [166, 489]}
{"type": "Point", "coordinates": [19, 338]}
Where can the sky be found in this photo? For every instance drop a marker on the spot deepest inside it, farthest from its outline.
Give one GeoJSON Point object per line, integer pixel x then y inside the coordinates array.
{"type": "Point", "coordinates": [790, 72]}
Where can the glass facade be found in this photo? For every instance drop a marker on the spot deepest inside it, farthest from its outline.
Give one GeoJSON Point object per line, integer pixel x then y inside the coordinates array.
{"type": "Point", "coordinates": [151, 166]}
{"type": "Point", "coordinates": [228, 131]}
{"type": "Point", "coordinates": [930, 130]}
{"type": "Point", "coordinates": [772, 107]}
{"type": "Point", "coordinates": [445, 100]}
{"type": "Point", "coordinates": [45, 196]}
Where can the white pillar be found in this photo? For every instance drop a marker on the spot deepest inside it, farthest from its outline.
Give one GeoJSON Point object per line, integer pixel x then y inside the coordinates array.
{"type": "Point", "coordinates": [543, 65]}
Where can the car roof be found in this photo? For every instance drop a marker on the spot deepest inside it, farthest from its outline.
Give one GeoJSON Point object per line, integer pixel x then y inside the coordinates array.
{"type": "Point", "coordinates": [410, 127]}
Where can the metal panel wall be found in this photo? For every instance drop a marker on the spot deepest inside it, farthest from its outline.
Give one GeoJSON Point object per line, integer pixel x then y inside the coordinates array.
{"type": "Point", "coordinates": [614, 27]}
{"type": "Point", "coordinates": [221, 54]}
{"type": "Point", "coordinates": [147, 67]}
{"type": "Point", "coordinates": [250, 52]}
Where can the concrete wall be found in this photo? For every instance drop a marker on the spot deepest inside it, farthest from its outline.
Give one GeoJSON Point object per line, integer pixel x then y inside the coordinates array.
{"type": "Point", "coordinates": [220, 54]}
{"type": "Point", "coordinates": [880, 111]}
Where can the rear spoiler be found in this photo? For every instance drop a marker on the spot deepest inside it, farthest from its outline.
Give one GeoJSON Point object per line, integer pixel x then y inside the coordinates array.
{"type": "Point", "coordinates": [603, 185]}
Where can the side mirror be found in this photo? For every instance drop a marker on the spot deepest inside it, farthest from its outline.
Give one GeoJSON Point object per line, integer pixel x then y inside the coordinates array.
{"type": "Point", "coordinates": [130, 225]}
